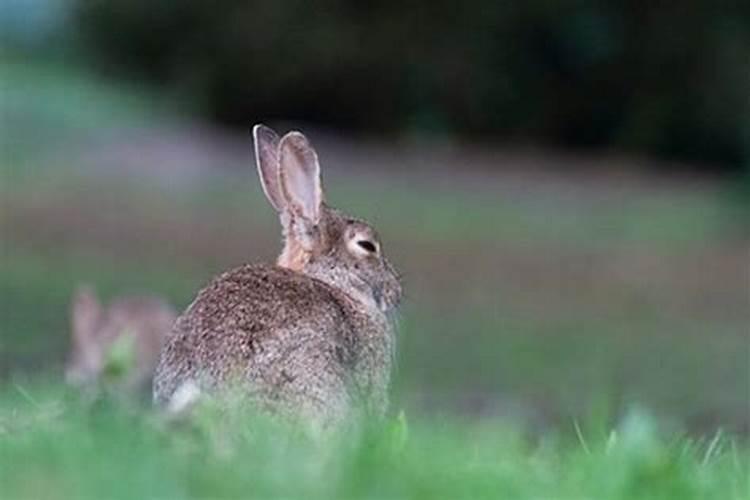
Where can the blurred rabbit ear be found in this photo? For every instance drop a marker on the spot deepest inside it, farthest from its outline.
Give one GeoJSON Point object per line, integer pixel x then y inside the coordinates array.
{"type": "Point", "coordinates": [300, 177]}
{"type": "Point", "coordinates": [267, 161]}
{"type": "Point", "coordinates": [85, 311]}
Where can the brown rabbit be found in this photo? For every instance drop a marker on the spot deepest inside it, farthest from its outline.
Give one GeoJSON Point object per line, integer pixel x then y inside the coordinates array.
{"type": "Point", "coordinates": [312, 336]}
{"type": "Point", "coordinates": [140, 322]}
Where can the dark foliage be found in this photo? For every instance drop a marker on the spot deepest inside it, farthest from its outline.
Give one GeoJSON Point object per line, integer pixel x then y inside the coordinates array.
{"type": "Point", "coordinates": [669, 79]}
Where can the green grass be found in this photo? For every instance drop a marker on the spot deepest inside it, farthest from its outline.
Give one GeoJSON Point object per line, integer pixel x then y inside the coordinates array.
{"type": "Point", "coordinates": [57, 446]}
{"type": "Point", "coordinates": [525, 313]}
{"type": "Point", "coordinates": [472, 359]}
{"type": "Point", "coordinates": [45, 107]}
{"type": "Point", "coordinates": [36, 290]}
{"type": "Point", "coordinates": [476, 215]}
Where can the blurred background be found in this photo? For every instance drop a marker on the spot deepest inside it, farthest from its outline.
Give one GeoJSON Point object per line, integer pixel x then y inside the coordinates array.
{"type": "Point", "coordinates": [565, 185]}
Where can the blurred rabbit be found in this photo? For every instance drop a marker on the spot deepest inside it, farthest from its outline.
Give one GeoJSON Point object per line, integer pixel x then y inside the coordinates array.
{"type": "Point", "coordinates": [312, 336]}
{"type": "Point", "coordinates": [121, 341]}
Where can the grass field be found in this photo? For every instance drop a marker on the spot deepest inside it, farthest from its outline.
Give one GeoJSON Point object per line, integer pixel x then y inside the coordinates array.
{"type": "Point", "coordinates": [543, 308]}
{"type": "Point", "coordinates": [55, 446]}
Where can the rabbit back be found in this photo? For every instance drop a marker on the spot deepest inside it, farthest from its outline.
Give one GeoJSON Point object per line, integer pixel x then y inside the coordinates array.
{"type": "Point", "coordinates": [296, 344]}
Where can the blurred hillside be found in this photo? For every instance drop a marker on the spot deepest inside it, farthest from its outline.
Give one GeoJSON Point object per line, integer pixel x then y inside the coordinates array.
{"type": "Point", "coordinates": [538, 286]}
{"type": "Point", "coordinates": [667, 80]}
{"type": "Point", "coordinates": [544, 278]}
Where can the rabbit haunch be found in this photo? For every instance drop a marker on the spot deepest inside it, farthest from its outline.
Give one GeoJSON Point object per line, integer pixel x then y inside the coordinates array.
{"type": "Point", "coordinates": [310, 336]}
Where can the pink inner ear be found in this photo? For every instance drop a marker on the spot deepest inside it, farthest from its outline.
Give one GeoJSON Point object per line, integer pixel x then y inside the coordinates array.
{"type": "Point", "coordinates": [300, 176]}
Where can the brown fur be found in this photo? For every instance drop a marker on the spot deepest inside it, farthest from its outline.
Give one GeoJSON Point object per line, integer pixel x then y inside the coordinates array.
{"type": "Point", "coordinates": [312, 336]}
{"type": "Point", "coordinates": [95, 330]}
{"type": "Point", "coordinates": [293, 256]}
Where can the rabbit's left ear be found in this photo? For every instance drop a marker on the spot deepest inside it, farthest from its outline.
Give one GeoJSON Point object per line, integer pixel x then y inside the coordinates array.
{"type": "Point", "coordinates": [267, 160]}
{"type": "Point", "coordinates": [85, 311]}
{"type": "Point", "coordinates": [299, 173]}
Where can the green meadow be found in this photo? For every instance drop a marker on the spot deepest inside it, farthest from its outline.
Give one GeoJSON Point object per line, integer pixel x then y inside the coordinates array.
{"type": "Point", "coordinates": [57, 446]}
{"type": "Point", "coordinates": [562, 336]}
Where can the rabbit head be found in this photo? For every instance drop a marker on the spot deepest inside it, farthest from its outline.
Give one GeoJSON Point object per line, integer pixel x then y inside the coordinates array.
{"type": "Point", "coordinates": [320, 241]}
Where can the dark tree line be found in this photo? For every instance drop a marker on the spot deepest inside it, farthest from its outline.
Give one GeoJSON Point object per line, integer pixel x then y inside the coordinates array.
{"type": "Point", "coordinates": [670, 79]}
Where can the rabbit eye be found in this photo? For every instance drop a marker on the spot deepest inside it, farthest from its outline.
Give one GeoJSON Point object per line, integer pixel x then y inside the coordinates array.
{"type": "Point", "coordinates": [367, 245]}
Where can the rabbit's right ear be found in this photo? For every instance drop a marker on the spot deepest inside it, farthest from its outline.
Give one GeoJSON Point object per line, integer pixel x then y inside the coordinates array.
{"type": "Point", "coordinates": [300, 177]}
{"type": "Point", "coordinates": [267, 161]}
{"type": "Point", "coordinates": [85, 312]}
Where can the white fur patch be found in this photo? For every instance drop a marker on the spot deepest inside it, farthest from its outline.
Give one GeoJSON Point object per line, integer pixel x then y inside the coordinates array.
{"type": "Point", "coordinates": [183, 398]}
